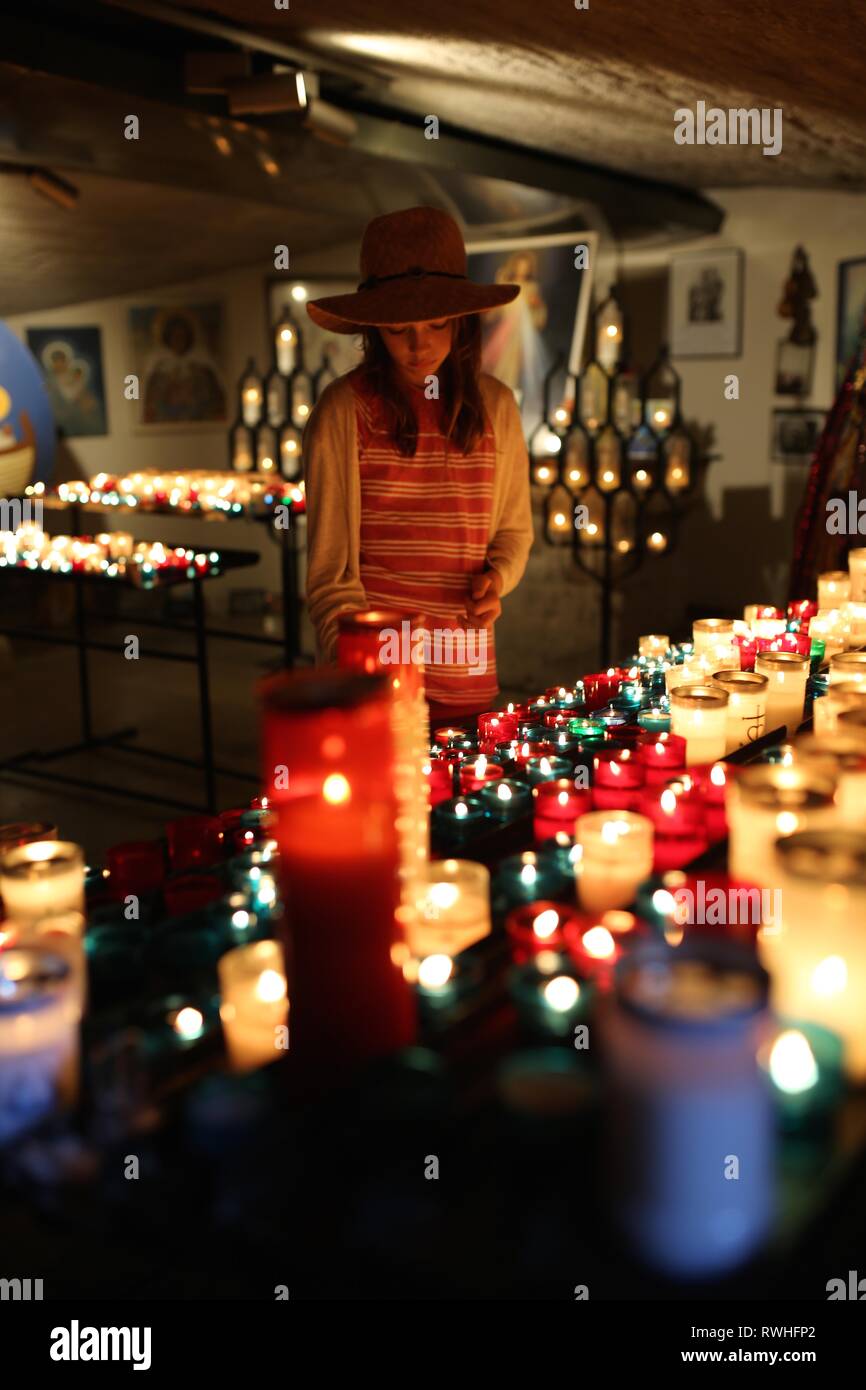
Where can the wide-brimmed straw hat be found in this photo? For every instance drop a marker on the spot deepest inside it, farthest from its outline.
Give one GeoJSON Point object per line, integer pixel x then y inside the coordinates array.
{"type": "Point", "coordinates": [413, 269]}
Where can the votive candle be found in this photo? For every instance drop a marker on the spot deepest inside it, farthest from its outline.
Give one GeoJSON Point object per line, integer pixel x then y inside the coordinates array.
{"type": "Point", "coordinates": [746, 710]}
{"type": "Point", "coordinates": [699, 715]}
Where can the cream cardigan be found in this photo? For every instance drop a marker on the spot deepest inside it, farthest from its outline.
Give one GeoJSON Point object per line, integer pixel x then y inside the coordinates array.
{"type": "Point", "coordinates": [333, 484]}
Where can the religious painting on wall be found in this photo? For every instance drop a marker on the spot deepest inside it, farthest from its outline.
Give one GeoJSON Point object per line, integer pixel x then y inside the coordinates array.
{"type": "Point", "coordinates": [522, 341]}
{"type": "Point", "coordinates": [71, 363]}
{"type": "Point", "coordinates": [178, 354]}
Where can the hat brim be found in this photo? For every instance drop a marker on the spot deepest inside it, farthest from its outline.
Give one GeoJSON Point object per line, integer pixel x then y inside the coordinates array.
{"type": "Point", "coordinates": [418, 301]}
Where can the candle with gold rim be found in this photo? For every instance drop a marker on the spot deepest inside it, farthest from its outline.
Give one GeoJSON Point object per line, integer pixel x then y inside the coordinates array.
{"type": "Point", "coordinates": [616, 855]}
{"type": "Point", "coordinates": [787, 674]}
{"type": "Point", "coordinates": [746, 709]}
{"type": "Point", "coordinates": [834, 589]}
{"type": "Point", "coordinates": [770, 801]}
{"type": "Point", "coordinates": [42, 877]}
{"type": "Point", "coordinates": [699, 714]}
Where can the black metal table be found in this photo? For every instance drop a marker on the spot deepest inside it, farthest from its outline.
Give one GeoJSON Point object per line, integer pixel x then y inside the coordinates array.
{"type": "Point", "coordinates": [84, 643]}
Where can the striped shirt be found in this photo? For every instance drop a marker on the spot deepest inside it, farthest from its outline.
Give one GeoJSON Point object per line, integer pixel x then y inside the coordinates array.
{"type": "Point", "coordinates": [425, 522]}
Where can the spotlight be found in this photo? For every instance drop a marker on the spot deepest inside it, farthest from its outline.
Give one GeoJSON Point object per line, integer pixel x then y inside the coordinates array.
{"type": "Point", "coordinates": [271, 93]}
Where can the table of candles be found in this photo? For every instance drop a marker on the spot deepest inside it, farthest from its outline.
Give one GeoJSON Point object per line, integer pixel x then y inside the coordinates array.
{"type": "Point", "coordinates": [572, 992]}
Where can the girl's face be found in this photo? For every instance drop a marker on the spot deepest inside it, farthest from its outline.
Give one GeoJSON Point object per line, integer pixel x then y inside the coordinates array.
{"type": "Point", "coordinates": [418, 349]}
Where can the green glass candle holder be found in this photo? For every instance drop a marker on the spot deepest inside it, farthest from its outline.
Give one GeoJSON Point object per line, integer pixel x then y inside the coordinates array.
{"type": "Point", "coordinates": [524, 878]}
{"type": "Point", "coordinates": [506, 800]}
{"type": "Point", "coordinates": [459, 819]}
{"type": "Point", "coordinates": [550, 1000]}
{"type": "Point", "coordinates": [655, 719]}
{"type": "Point", "coordinates": [588, 731]}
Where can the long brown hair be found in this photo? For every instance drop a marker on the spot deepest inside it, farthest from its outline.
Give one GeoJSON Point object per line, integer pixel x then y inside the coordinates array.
{"type": "Point", "coordinates": [459, 389]}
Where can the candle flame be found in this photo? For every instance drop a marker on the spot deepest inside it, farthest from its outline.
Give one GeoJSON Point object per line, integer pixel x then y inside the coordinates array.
{"type": "Point", "coordinates": [504, 793]}
{"type": "Point", "coordinates": [435, 971]}
{"type": "Point", "coordinates": [188, 1022]}
{"type": "Point", "coordinates": [270, 987]}
{"type": "Point", "coordinates": [717, 775]}
{"type": "Point", "coordinates": [830, 977]}
{"type": "Point", "coordinates": [546, 923]}
{"type": "Point", "coordinates": [336, 789]}
{"type": "Point", "coordinates": [561, 993]}
{"type": "Point", "coordinates": [444, 895]}
{"type": "Point", "coordinates": [480, 766]}
{"type": "Point", "coordinates": [792, 1063]}
{"type": "Point", "coordinates": [598, 943]}
{"type": "Point", "coordinates": [668, 802]}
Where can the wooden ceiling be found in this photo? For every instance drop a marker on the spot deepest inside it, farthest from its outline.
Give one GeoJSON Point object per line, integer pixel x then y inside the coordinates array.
{"type": "Point", "coordinates": [601, 84]}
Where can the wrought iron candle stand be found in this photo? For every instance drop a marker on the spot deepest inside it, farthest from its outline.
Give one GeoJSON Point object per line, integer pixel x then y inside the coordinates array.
{"type": "Point", "coordinates": [616, 460]}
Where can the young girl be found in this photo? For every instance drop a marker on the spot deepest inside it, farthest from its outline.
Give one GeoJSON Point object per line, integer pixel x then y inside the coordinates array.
{"type": "Point", "coordinates": [416, 470]}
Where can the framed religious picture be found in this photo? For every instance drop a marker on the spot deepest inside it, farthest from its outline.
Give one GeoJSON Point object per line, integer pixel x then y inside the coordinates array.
{"type": "Point", "coordinates": [705, 303]}
{"type": "Point", "coordinates": [540, 334]}
{"type": "Point", "coordinates": [851, 312]}
{"type": "Point", "coordinates": [795, 434]}
{"type": "Point", "coordinates": [336, 352]}
{"type": "Point", "coordinates": [794, 363]}
{"type": "Point", "coordinates": [71, 361]}
{"type": "Point", "coordinates": [178, 355]}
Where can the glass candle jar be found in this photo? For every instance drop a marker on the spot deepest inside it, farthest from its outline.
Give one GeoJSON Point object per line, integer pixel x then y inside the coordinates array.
{"type": "Point", "coordinates": [524, 878]}
{"type": "Point", "coordinates": [497, 726]}
{"type": "Point", "coordinates": [537, 926]}
{"type": "Point", "coordinates": [840, 698]}
{"type": "Point", "coordinates": [546, 768]}
{"type": "Point", "coordinates": [556, 806]}
{"type": "Point", "coordinates": [194, 842]}
{"type": "Point", "coordinates": [453, 908]}
{"type": "Point", "coordinates": [661, 755]}
{"type": "Point", "coordinates": [616, 855]}
{"type": "Point", "coordinates": [136, 866]}
{"type": "Point", "coordinates": [595, 941]}
{"type": "Point", "coordinates": [687, 1099]}
{"type": "Point", "coordinates": [848, 666]}
{"type": "Point", "coordinates": [857, 574]}
{"type": "Point", "coordinates": [550, 1000]}
{"type": "Point", "coordinates": [38, 1035]}
{"type": "Point", "coordinates": [834, 589]}
{"type": "Point", "coordinates": [830, 626]}
{"type": "Point", "coordinates": [855, 614]}
{"type": "Point", "coordinates": [699, 714]}
{"type": "Point", "coordinates": [653, 644]}
{"type": "Point", "coordinates": [477, 774]}
{"type": "Point", "coordinates": [440, 778]}
{"type": "Point", "coordinates": [708, 633]}
{"type": "Point", "coordinates": [255, 1007]}
{"type": "Point", "coordinates": [817, 962]}
{"type": "Point", "coordinates": [805, 1065]}
{"type": "Point", "coordinates": [787, 673]}
{"type": "Point", "coordinates": [746, 710]}
{"type": "Point", "coordinates": [42, 877]}
{"type": "Point", "coordinates": [655, 719]}
{"type": "Point", "coordinates": [459, 819]}
{"type": "Point", "coordinates": [506, 800]}
{"type": "Point", "coordinates": [770, 801]}
{"type": "Point", "coordinates": [21, 832]}
{"type": "Point", "coordinates": [842, 755]}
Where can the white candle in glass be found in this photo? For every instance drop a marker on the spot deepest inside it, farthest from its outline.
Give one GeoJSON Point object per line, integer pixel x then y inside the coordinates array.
{"type": "Point", "coordinates": [842, 696]}
{"type": "Point", "coordinates": [653, 644]}
{"type": "Point", "coordinates": [855, 616]}
{"type": "Point", "coordinates": [712, 632]}
{"type": "Point", "coordinates": [787, 674]}
{"type": "Point", "coordinates": [830, 625]}
{"type": "Point", "coordinates": [747, 706]}
{"type": "Point", "coordinates": [834, 589]}
{"type": "Point", "coordinates": [616, 855]}
{"type": "Point", "coordinates": [840, 754]}
{"type": "Point", "coordinates": [40, 878]}
{"type": "Point", "coordinates": [453, 909]}
{"type": "Point", "coordinates": [848, 667]}
{"type": "Point", "coordinates": [63, 933]}
{"type": "Point", "coordinates": [38, 1035]}
{"type": "Point", "coordinates": [699, 714]}
{"type": "Point", "coordinates": [857, 574]}
{"type": "Point", "coordinates": [768, 802]}
{"type": "Point", "coordinates": [255, 1006]}
{"type": "Point", "coordinates": [818, 960]}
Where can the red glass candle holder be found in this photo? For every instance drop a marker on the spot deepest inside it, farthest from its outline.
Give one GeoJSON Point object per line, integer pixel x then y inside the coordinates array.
{"type": "Point", "coordinates": [600, 688]}
{"type": "Point", "coordinates": [440, 778]}
{"type": "Point", "coordinates": [385, 641]}
{"type": "Point", "coordinates": [533, 749]}
{"type": "Point", "coordinates": [496, 726]}
{"type": "Point", "coordinates": [556, 718]}
{"type": "Point", "coordinates": [556, 806]}
{"type": "Point", "coordinates": [596, 942]}
{"type": "Point", "coordinates": [135, 867]}
{"type": "Point", "coordinates": [674, 809]}
{"type": "Point", "coordinates": [537, 926]}
{"type": "Point", "coordinates": [195, 842]}
{"type": "Point", "coordinates": [449, 734]}
{"type": "Point", "coordinates": [231, 820]}
{"type": "Point", "coordinates": [661, 755]}
{"type": "Point", "coordinates": [338, 864]}
{"type": "Point", "coordinates": [476, 773]}
{"type": "Point", "coordinates": [189, 892]}
{"type": "Point", "coordinates": [796, 642]}
{"type": "Point", "coordinates": [711, 782]}
{"type": "Point", "coordinates": [802, 608]}
{"type": "Point", "coordinates": [617, 769]}
{"type": "Point", "coordinates": [748, 648]}
{"type": "Point", "coordinates": [709, 901]}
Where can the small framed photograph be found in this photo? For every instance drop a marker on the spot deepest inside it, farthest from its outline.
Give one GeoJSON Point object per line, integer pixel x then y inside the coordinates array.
{"type": "Point", "coordinates": [795, 434]}
{"type": "Point", "coordinates": [851, 312]}
{"type": "Point", "coordinates": [705, 304]}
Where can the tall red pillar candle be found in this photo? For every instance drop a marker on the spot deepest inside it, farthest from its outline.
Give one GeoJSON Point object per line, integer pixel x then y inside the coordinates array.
{"type": "Point", "coordinates": [339, 862]}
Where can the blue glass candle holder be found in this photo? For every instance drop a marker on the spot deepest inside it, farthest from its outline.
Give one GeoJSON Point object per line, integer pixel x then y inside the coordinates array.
{"type": "Point", "coordinates": [459, 819]}
{"type": "Point", "coordinates": [561, 854]}
{"type": "Point", "coordinates": [611, 718]}
{"type": "Point", "coordinates": [655, 719]}
{"type": "Point", "coordinates": [445, 986]}
{"type": "Point", "coordinates": [805, 1064]}
{"type": "Point", "coordinates": [550, 1000]}
{"type": "Point", "coordinates": [179, 1024]}
{"type": "Point", "coordinates": [506, 800]}
{"type": "Point", "coordinates": [524, 878]}
{"type": "Point", "coordinates": [254, 873]}
{"type": "Point", "coordinates": [546, 769]}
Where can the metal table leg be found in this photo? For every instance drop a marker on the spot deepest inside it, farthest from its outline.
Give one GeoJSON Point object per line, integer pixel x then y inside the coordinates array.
{"type": "Point", "coordinates": [204, 694]}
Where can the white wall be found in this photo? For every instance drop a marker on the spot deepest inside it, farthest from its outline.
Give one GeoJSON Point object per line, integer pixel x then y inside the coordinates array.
{"type": "Point", "coordinates": [767, 225]}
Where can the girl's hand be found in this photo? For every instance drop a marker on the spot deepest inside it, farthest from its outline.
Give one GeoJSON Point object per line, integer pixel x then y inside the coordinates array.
{"type": "Point", "coordinates": [484, 607]}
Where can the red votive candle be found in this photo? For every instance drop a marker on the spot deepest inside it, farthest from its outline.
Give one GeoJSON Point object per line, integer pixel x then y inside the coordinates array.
{"type": "Point", "coordinates": [537, 926]}
{"type": "Point", "coordinates": [137, 866]}
{"type": "Point", "coordinates": [386, 641]}
{"type": "Point", "coordinates": [617, 769]}
{"type": "Point", "coordinates": [711, 782]}
{"type": "Point", "coordinates": [448, 735]}
{"type": "Point", "coordinates": [600, 688]}
{"type": "Point", "coordinates": [189, 892]}
{"type": "Point", "coordinates": [557, 718]}
{"type": "Point", "coordinates": [478, 773]}
{"type": "Point", "coordinates": [527, 750]}
{"type": "Point", "coordinates": [195, 842]}
{"type": "Point", "coordinates": [796, 642]}
{"type": "Point", "coordinates": [496, 726]}
{"type": "Point", "coordinates": [661, 756]}
{"type": "Point", "coordinates": [748, 647]}
{"type": "Point", "coordinates": [556, 806]}
{"type": "Point", "coordinates": [231, 820]}
{"type": "Point", "coordinates": [440, 779]}
{"type": "Point", "coordinates": [596, 942]}
{"type": "Point", "coordinates": [338, 867]}
{"type": "Point", "coordinates": [802, 608]}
